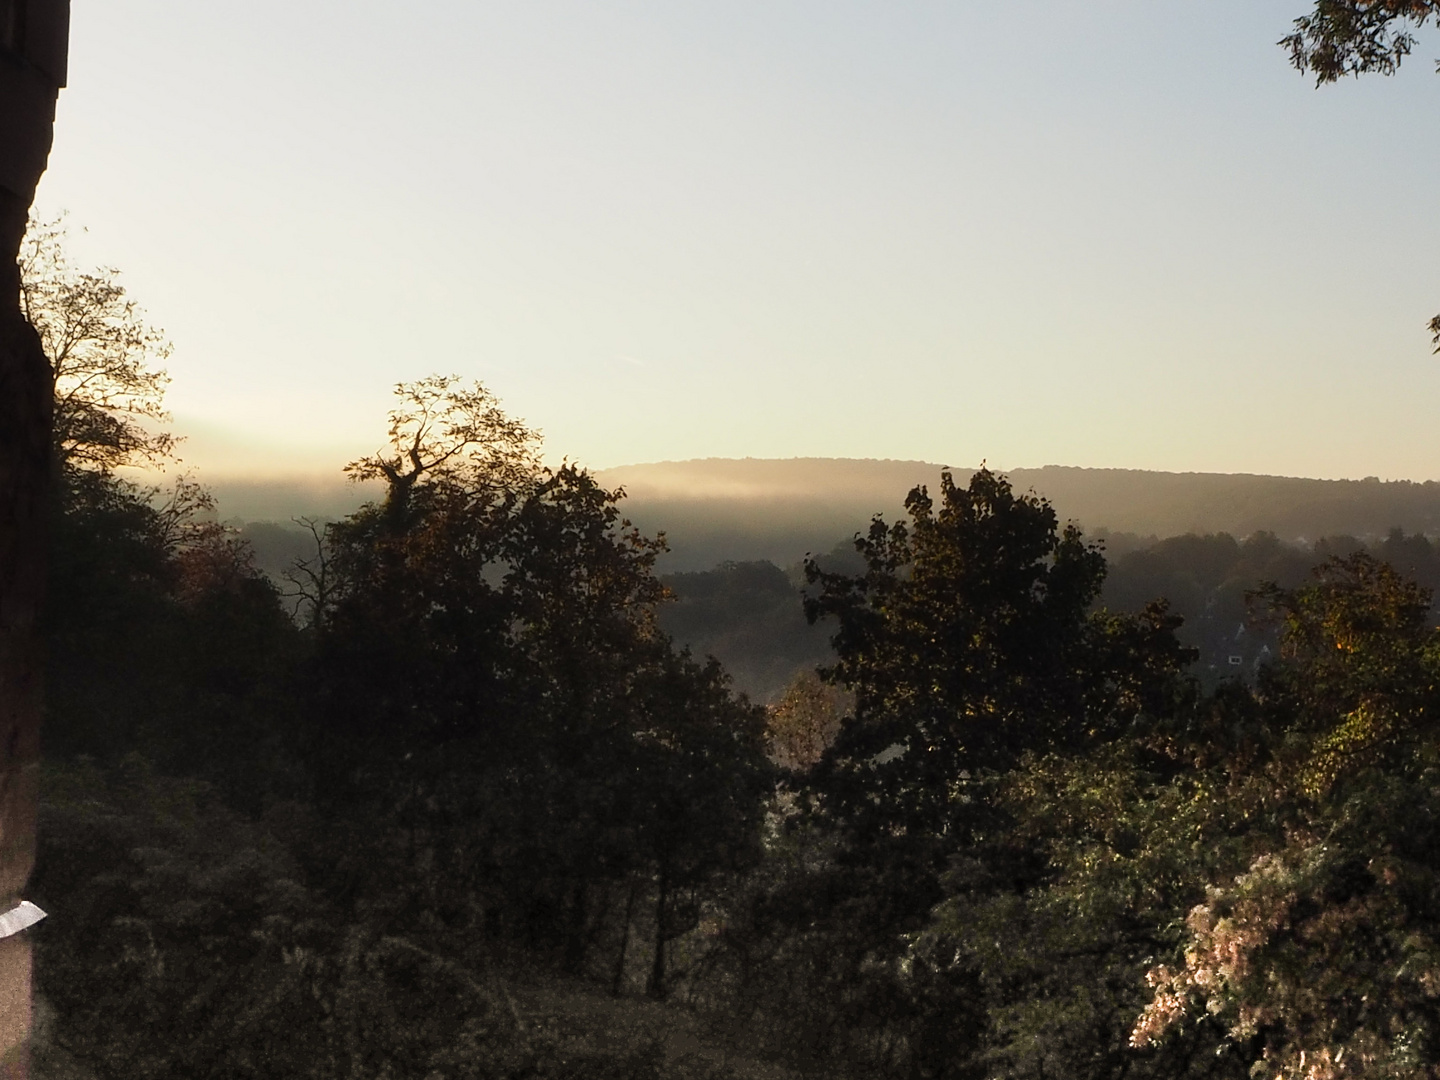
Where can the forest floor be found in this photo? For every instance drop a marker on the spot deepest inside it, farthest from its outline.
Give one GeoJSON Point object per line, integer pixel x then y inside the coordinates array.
{"type": "Point", "coordinates": [569, 1018]}
{"type": "Point", "coordinates": [575, 1015]}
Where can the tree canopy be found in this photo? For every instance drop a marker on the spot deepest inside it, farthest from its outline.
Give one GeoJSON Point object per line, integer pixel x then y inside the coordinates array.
{"type": "Point", "coordinates": [1356, 37]}
{"type": "Point", "coordinates": [109, 391]}
{"type": "Point", "coordinates": [1005, 832]}
{"type": "Point", "coordinates": [969, 641]}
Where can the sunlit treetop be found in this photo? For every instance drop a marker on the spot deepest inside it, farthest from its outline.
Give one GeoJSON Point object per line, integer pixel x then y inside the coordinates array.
{"type": "Point", "coordinates": [445, 431]}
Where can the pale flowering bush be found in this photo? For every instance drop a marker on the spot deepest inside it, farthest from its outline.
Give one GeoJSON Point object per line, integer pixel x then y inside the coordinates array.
{"type": "Point", "coordinates": [1318, 960]}
{"type": "Point", "coordinates": [1321, 957]}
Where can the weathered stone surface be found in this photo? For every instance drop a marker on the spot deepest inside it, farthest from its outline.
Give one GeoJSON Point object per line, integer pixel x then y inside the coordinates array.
{"type": "Point", "coordinates": [33, 36]}
{"type": "Point", "coordinates": [32, 70]}
{"type": "Point", "coordinates": [26, 121]}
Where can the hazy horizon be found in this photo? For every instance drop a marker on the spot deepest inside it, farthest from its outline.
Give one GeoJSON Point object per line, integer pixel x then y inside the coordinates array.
{"type": "Point", "coordinates": [795, 229]}
{"type": "Point", "coordinates": [219, 456]}
{"type": "Point", "coordinates": [639, 715]}
{"type": "Point", "coordinates": [748, 509]}
{"type": "Point", "coordinates": [695, 479]}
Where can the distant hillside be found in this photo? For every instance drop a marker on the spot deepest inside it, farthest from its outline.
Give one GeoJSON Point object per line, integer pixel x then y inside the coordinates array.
{"type": "Point", "coordinates": [717, 508]}
{"type": "Point", "coordinates": [281, 500]}
{"type": "Point", "coordinates": [720, 509]}
{"type": "Point", "coordinates": [760, 517]}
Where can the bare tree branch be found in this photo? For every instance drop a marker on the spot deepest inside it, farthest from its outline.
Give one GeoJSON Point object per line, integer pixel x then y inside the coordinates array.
{"type": "Point", "coordinates": [312, 580]}
{"type": "Point", "coordinates": [443, 432]}
{"type": "Point", "coordinates": [108, 392]}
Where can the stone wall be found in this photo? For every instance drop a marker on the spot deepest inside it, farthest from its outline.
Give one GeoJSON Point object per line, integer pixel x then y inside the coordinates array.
{"type": "Point", "coordinates": [33, 41]}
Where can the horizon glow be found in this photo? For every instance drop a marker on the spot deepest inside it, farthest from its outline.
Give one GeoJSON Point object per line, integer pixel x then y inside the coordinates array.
{"type": "Point", "coordinates": [1124, 235]}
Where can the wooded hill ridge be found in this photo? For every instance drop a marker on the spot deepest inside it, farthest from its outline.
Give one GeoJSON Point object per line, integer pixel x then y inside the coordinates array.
{"type": "Point", "coordinates": [753, 508]}
{"type": "Point", "coordinates": [738, 530]}
{"type": "Point", "coordinates": [747, 509]}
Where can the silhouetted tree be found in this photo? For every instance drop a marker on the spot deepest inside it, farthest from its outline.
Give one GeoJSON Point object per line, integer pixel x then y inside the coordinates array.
{"type": "Point", "coordinates": [109, 395]}
{"type": "Point", "coordinates": [494, 697]}
{"type": "Point", "coordinates": [967, 642]}
{"type": "Point", "coordinates": [970, 645]}
{"type": "Point", "coordinates": [169, 639]}
{"type": "Point", "coordinates": [447, 435]}
{"type": "Point", "coordinates": [702, 780]}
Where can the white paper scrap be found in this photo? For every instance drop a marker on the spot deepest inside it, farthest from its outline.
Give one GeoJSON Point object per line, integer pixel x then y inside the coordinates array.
{"type": "Point", "coordinates": [19, 917]}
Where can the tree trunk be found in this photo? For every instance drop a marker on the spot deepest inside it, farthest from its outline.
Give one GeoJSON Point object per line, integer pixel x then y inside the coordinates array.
{"type": "Point", "coordinates": [656, 989]}
{"type": "Point", "coordinates": [576, 945]}
{"type": "Point", "coordinates": [618, 983]}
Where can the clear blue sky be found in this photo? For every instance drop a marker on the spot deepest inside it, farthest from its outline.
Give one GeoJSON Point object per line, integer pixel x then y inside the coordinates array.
{"type": "Point", "coordinates": [1119, 233]}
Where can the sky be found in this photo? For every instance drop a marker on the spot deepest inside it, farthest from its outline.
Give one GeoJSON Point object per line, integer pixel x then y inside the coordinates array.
{"type": "Point", "coordinates": [1123, 233]}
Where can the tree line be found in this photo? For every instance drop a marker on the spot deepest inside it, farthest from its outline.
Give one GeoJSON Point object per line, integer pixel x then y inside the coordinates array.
{"type": "Point", "coordinates": [750, 615]}
{"type": "Point", "coordinates": [1006, 831]}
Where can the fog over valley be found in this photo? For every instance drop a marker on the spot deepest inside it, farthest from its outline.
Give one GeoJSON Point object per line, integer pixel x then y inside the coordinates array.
{"type": "Point", "coordinates": [362, 719]}
{"type": "Point", "coordinates": [717, 509]}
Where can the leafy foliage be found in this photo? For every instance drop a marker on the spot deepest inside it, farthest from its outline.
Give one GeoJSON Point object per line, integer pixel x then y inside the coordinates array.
{"type": "Point", "coordinates": [968, 641]}
{"type": "Point", "coordinates": [184, 940]}
{"type": "Point", "coordinates": [1318, 952]}
{"type": "Point", "coordinates": [749, 616]}
{"type": "Point", "coordinates": [172, 644]}
{"type": "Point", "coordinates": [491, 687]}
{"type": "Point", "coordinates": [805, 721]}
{"type": "Point", "coordinates": [108, 392]}
{"type": "Point", "coordinates": [448, 436]}
{"type": "Point", "coordinates": [1355, 37]}
{"type": "Point", "coordinates": [1004, 834]}
{"type": "Point", "coordinates": [970, 645]}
